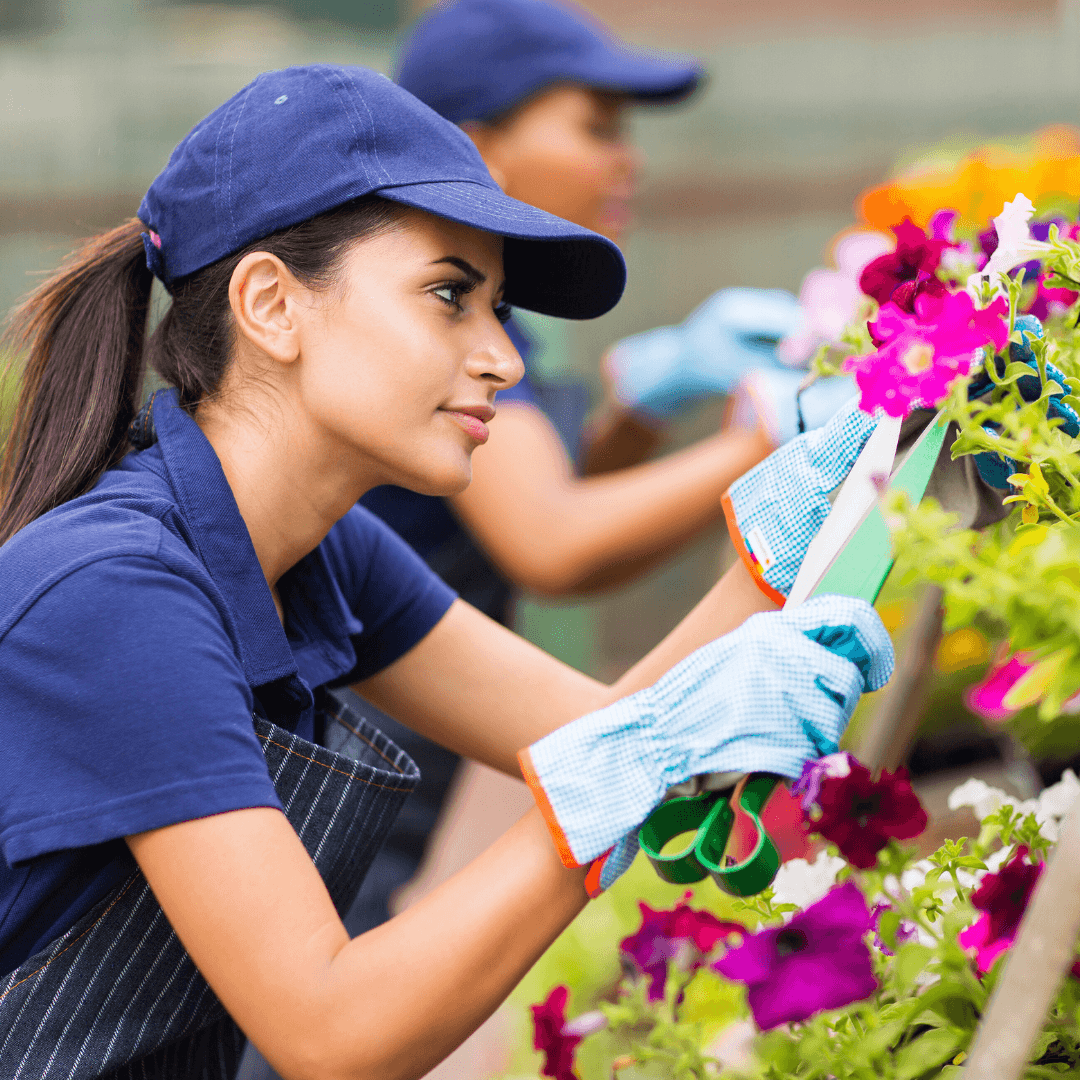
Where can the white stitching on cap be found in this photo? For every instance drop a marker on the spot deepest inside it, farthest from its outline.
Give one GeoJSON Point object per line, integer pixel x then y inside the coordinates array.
{"type": "Point", "coordinates": [371, 128]}
{"type": "Point", "coordinates": [346, 105]}
{"type": "Point", "coordinates": [232, 141]}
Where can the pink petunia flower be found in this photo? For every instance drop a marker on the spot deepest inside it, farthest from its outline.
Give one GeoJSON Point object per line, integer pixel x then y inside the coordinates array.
{"type": "Point", "coordinates": [682, 934]}
{"type": "Point", "coordinates": [550, 1037]}
{"type": "Point", "coordinates": [1003, 897]}
{"type": "Point", "coordinates": [818, 961]}
{"type": "Point", "coordinates": [923, 353]}
{"type": "Point", "coordinates": [860, 814]}
{"type": "Point", "coordinates": [987, 698]}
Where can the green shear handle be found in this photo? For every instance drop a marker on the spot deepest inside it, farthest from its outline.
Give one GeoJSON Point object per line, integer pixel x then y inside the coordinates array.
{"type": "Point", "coordinates": [710, 817]}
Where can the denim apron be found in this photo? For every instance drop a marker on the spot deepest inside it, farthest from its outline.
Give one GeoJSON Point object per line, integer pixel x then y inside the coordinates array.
{"type": "Point", "coordinates": [118, 998]}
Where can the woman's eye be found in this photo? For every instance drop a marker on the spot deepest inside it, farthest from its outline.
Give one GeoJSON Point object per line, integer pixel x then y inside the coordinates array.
{"type": "Point", "coordinates": [450, 294]}
{"type": "Point", "coordinates": [503, 313]}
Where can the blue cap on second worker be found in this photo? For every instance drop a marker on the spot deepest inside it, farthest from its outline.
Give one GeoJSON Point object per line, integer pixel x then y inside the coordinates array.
{"type": "Point", "coordinates": [475, 59]}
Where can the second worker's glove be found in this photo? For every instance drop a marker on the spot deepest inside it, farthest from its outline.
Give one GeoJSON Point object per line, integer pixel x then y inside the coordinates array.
{"type": "Point", "coordinates": [770, 695]}
{"type": "Point", "coordinates": [660, 371]}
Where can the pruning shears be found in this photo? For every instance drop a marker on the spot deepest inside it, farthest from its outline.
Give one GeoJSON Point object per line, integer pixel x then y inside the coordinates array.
{"type": "Point", "coordinates": [851, 556]}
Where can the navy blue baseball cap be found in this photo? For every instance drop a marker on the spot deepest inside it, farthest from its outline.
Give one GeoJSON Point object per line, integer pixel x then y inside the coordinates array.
{"type": "Point", "coordinates": [475, 59]}
{"type": "Point", "coordinates": [296, 143]}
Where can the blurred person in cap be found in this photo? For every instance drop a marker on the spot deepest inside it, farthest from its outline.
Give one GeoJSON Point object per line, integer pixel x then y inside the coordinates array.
{"type": "Point", "coordinates": [544, 91]}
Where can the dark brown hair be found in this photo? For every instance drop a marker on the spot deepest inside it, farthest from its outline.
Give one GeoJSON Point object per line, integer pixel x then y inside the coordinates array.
{"type": "Point", "coordinates": [83, 335]}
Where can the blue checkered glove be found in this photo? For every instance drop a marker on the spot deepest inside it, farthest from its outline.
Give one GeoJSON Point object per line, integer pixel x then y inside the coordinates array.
{"type": "Point", "coordinates": [770, 398]}
{"type": "Point", "coordinates": [996, 469]}
{"type": "Point", "coordinates": [764, 698]}
{"type": "Point", "coordinates": [658, 372]}
{"type": "Point", "coordinates": [776, 509]}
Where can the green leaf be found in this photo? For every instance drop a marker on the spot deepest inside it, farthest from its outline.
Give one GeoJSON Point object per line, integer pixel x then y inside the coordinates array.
{"type": "Point", "coordinates": [910, 963]}
{"type": "Point", "coordinates": [888, 924]}
{"type": "Point", "coordinates": [928, 1051]}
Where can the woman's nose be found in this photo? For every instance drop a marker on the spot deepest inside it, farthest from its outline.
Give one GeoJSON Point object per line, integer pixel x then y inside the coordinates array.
{"type": "Point", "coordinates": [496, 360]}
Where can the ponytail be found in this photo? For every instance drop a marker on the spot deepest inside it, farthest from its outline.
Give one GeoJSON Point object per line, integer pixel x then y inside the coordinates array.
{"type": "Point", "coordinates": [82, 335]}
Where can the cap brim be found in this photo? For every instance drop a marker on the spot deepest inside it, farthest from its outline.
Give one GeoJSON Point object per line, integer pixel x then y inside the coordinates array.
{"type": "Point", "coordinates": [643, 76]}
{"type": "Point", "coordinates": [552, 266]}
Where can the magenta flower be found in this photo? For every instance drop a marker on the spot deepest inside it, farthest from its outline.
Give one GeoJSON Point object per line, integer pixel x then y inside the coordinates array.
{"type": "Point", "coordinates": [549, 1021]}
{"type": "Point", "coordinates": [942, 225]}
{"type": "Point", "coordinates": [818, 961]}
{"type": "Point", "coordinates": [682, 934]}
{"type": "Point", "coordinates": [987, 698]}
{"type": "Point", "coordinates": [922, 354]}
{"type": "Point", "coordinates": [808, 786]}
{"type": "Point", "coordinates": [915, 255]}
{"type": "Point", "coordinates": [1003, 897]}
{"type": "Point", "coordinates": [859, 814]}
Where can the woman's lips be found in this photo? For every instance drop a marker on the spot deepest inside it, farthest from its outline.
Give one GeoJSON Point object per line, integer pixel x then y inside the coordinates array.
{"type": "Point", "coordinates": [474, 427]}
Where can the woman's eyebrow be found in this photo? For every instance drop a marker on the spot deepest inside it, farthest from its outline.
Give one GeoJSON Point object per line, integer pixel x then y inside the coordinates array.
{"type": "Point", "coordinates": [467, 268]}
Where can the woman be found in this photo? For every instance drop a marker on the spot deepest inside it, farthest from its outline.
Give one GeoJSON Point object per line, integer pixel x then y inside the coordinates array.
{"type": "Point", "coordinates": [184, 596]}
{"type": "Point", "coordinates": [545, 95]}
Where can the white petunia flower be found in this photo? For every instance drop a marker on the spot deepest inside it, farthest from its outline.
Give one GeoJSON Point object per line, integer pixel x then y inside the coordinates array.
{"type": "Point", "coordinates": [804, 883]}
{"type": "Point", "coordinates": [980, 796]}
{"type": "Point", "coordinates": [1015, 244]}
{"type": "Point", "coordinates": [1057, 799]}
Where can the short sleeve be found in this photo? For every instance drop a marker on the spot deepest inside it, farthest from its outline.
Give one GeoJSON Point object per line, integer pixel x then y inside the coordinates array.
{"type": "Point", "coordinates": [388, 588]}
{"type": "Point", "coordinates": [123, 708]}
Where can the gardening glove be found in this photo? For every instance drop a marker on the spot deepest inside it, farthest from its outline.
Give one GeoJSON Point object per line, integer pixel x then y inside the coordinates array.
{"type": "Point", "coordinates": [776, 509]}
{"type": "Point", "coordinates": [657, 372]}
{"type": "Point", "coordinates": [771, 398]}
{"type": "Point", "coordinates": [764, 698]}
{"type": "Point", "coordinates": [996, 469]}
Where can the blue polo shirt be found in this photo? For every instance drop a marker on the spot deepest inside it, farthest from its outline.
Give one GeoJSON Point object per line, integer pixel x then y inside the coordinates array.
{"type": "Point", "coordinates": [137, 639]}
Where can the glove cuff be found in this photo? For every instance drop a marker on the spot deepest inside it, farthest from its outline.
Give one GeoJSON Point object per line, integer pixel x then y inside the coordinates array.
{"type": "Point", "coordinates": [754, 551]}
{"type": "Point", "coordinates": [547, 811]}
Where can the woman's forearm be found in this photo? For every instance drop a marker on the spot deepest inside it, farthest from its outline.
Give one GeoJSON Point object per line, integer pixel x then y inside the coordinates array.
{"type": "Point", "coordinates": [558, 534]}
{"type": "Point", "coordinates": [459, 952]}
{"type": "Point", "coordinates": [249, 906]}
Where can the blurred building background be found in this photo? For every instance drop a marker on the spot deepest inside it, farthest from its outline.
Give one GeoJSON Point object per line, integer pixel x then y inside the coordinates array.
{"type": "Point", "coordinates": [745, 185]}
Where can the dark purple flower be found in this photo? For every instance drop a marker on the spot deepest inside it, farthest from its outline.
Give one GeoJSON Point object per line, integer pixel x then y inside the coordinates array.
{"type": "Point", "coordinates": [988, 240]}
{"type": "Point", "coordinates": [808, 786]}
{"type": "Point", "coordinates": [681, 934]}
{"type": "Point", "coordinates": [818, 961]}
{"type": "Point", "coordinates": [916, 254]}
{"type": "Point", "coordinates": [549, 1019]}
{"type": "Point", "coordinates": [905, 932]}
{"type": "Point", "coordinates": [1003, 897]}
{"type": "Point", "coordinates": [859, 814]}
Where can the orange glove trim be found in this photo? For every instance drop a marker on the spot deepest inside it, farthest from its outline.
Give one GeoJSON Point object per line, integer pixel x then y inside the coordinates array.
{"type": "Point", "coordinates": [748, 559]}
{"type": "Point", "coordinates": [562, 846]}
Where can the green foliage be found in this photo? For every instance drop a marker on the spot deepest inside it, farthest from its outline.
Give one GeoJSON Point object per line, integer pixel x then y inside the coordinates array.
{"type": "Point", "coordinates": [1020, 578]}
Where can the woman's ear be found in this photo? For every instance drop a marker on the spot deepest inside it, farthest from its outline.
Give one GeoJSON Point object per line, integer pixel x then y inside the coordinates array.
{"type": "Point", "coordinates": [488, 139]}
{"type": "Point", "coordinates": [265, 301]}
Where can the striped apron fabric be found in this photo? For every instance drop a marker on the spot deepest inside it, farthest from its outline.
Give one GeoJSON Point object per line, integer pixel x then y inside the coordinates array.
{"type": "Point", "coordinates": [118, 998]}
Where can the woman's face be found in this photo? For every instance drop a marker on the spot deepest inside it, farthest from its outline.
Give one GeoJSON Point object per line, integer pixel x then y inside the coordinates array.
{"type": "Point", "coordinates": [566, 151]}
{"type": "Point", "coordinates": [398, 369]}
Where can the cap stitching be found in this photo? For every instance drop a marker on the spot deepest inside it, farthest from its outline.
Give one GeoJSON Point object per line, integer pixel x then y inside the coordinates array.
{"type": "Point", "coordinates": [234, 240]}
{"type": "Point", "coordinates": [374, 140]}
{"type": "Point", "coordinates": [347, 109]}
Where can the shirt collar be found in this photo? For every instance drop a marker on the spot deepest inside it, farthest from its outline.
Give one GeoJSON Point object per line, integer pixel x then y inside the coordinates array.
{"type": "Point", "coordinates": [221, 539]}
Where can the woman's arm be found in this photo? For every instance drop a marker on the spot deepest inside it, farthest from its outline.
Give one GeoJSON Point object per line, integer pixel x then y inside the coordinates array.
{"type": "Point", "coordinates": [249, 906]}
{"type": "Point", "coordinates": [555, 533]}
{"type": "Point", "coordinates": [479, 689]}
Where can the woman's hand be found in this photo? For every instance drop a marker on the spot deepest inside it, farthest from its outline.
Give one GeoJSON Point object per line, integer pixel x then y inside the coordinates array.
{"type": "Point", "coordinates": [249, 906]}
{"type": "Point", "coordinates": [766, 698]}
